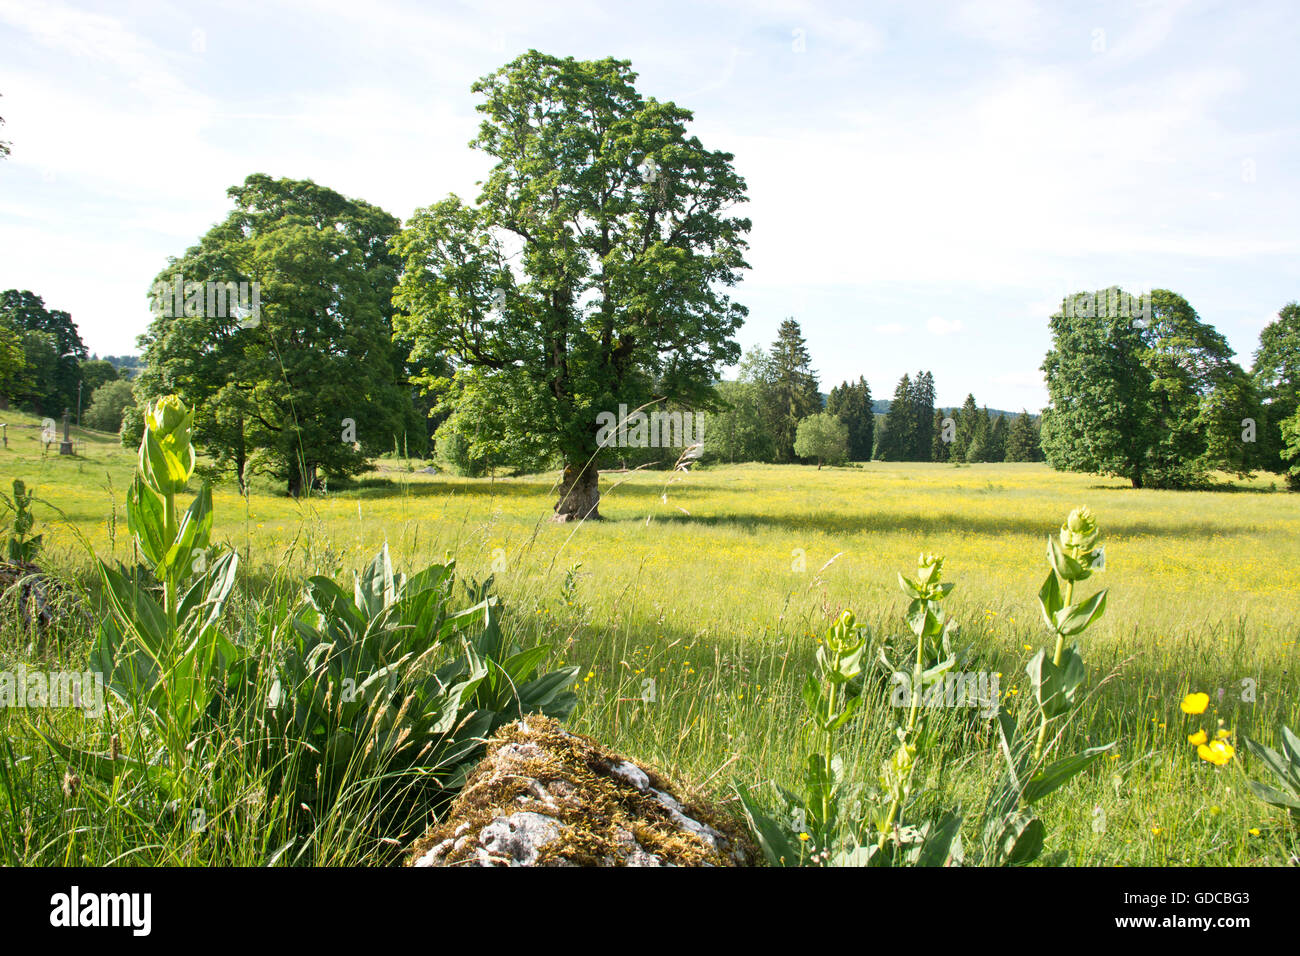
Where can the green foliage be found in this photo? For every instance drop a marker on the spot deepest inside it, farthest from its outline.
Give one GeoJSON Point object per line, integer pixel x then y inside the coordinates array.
{"type": "Point", "coordinates": [131, 431]}
{"type": "Point", "coordinates": [808, 833]}
{"type": "Point", "coordinates": [1156, 401]}
{"type": "Point", "coordinates": [108, 404]}
{"type": "Point", "coordinates": [455, 450]}
{"type": "Point", "coordinates": [851, 402]}
{"type": "Point", "coordinates": [1290, 431]}
{"type": "Point", "coordinates": [473, 438]}
{"type": "Point", "coordinates": [1011, 833]}
{"type": "Point", "coordinates": [740, 430]}
{"type": "Point", "coordinates": [1277, 383]}
{"type": "Point", "coordinates": [386, 684]}
{"type": "Point", "coordinates": [95, 373]}
{"type": "Point", "coordinates": [893, 831]}
{"type": "Point", "coordinates": [53, 349]}
{"type": "Point", "coordinates": [908, 433]}
{"type": "Point", "coordinates": [20, 548]}
{"type": "Point", "coordinates": [389, 680]}
{"type": "Point", "coordinates": [824, 437]}
{"type": "Point", "coordinates": [161, 647]}
{"type": "Point", "coordinates": [790, 388]}
{"type": "Point", "coordinates": [817, 828]}
{"type": "Point", "coordinates": [318, 352]}
{"type": "Point", "coordinates": [628, 243]}
{"type": "Point", "coordinates": [1285, 768]}
{"type": "Point", "coordinates": [15, 372]}
{"type": "Point", "coordinates": [1023, 440]}
{"type": "Point", "coordinates": [967, 419]}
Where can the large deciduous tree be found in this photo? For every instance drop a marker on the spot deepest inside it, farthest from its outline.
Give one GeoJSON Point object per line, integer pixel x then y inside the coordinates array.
{"type": "Point", "coordinates": [823, 437]}
{"type": "Point", "coordinates": [15, 373]}
{"type": "Point", "coordinates": [1277, 381]}
{"type": "Point", "coordinates": [307, 379]}
{"type": "Point", "coordinates": [53, 347]}
{"type": "Point", "coordinates": [1152, 399]}
{"type": "Point", "coordinates": [593, 270]}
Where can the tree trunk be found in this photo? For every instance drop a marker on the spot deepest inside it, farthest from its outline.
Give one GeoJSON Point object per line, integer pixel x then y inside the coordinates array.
{"type": "Point", "coordinates": [301, 479]}
{"type": "Point", "coordinates": [579, 493]}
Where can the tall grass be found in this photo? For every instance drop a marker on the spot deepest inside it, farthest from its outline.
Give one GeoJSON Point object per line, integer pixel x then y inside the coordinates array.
{"type": "Point", "coordinates": [717, 588]}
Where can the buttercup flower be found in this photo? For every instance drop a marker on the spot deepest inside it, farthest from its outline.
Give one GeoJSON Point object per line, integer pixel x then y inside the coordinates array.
{"type": "Point", "coordinates": [1197, 738]}
{"type": "Point", "coordinates": [1217, 752]}
{"type": "Point", "coordinates": [1195, 703]}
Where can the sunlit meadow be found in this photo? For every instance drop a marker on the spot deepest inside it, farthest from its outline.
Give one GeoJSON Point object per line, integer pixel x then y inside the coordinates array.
{"type": "Point", "coordinates": [716, 584]}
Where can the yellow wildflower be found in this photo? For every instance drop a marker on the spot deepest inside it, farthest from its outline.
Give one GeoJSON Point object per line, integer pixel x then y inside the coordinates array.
{"type": "Point", "coordinates": [1217, 752]}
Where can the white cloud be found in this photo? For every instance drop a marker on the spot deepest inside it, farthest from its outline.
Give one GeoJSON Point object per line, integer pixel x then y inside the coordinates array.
{"type": "Point", "coordinates": [1015, 24]}
{"type": "Point", "coordinates": [936, 325]}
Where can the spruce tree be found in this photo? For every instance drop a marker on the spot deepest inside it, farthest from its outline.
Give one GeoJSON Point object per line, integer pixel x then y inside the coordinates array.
{"type": "Point", "coordinates": [1022, 439]}
{"type": "Point", "coordinates": [939, 449]}
{"type": "Point", "coordinates": [966, 418]}
{"type": "Point", "coordinates": [897, 442]}
{"type": "Point", "coordinates": [922, 402]}
{"type": "Point", "coordinates": [793, 389]}
{"type": "Point", "coordinates": [995, 448]}
{"type": "Point", "coordinates": [851, 403]}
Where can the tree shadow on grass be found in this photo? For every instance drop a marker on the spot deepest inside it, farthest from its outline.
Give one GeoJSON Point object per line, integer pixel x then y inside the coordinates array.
{"type": "Point", "coordinates": [1223, 488]}
{"type": "Point", "coordinates": [932, 523]}
{"type": "Point", "coordinates": [482, 488]}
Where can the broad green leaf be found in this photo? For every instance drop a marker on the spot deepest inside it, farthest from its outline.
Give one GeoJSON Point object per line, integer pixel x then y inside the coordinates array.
{"type": "Point", "coordinates": [1274, 797]}
{"type": "Point", "coordinates": [1021, 840]}
{"type": "Point", "coordinates": [1077, 618]}
{"type": "Point", "coordinates": [145, 519]}
{"type": "Point", "coordinates": [1056, 774]}
{"type": "Point", "coordinates": [941, 842]}
{"type": "Point", "coordinates": [1066, 567]}
{"type": "Point", "coordinates": [780, 847]}
{"type": "Point", "coordinates": [1050, 600]}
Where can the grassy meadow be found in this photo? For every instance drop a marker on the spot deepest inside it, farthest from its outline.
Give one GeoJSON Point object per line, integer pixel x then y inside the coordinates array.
{"type": "Point", "coordinates": [716, 585]}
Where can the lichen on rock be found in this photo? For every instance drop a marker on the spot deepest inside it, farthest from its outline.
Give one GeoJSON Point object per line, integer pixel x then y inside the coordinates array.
{"type": "Point", "coordinates": [545, 797]}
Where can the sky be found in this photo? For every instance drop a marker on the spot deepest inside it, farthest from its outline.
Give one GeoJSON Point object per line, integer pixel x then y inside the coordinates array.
{"type": "Point", "coordinates": [926, 180]}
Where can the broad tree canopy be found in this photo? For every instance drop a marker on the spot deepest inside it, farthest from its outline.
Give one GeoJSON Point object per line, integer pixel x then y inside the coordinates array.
{"type": "Point", "coordinates": [593, 270]}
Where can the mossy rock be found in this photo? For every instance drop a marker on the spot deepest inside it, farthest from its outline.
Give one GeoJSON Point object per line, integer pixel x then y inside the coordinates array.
{"type": "Point", "coordinates": [545, 797]}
